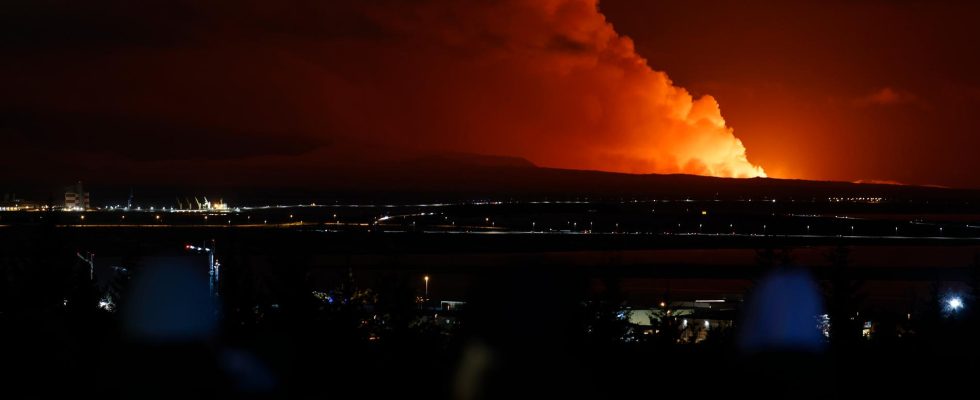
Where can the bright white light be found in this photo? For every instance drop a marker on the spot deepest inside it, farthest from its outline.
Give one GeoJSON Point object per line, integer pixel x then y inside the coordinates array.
{"type": "Point", "coordinates": [955, 303]}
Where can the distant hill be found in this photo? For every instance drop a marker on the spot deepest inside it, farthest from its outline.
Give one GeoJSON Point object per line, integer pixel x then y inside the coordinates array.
{"type": "Point", "coordinates": [467, 176]}
{"type": "Point", "coordinates": [455, 176]}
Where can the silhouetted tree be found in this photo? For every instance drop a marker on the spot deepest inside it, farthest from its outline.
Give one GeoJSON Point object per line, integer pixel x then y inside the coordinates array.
{"type": "Point", "coordinates": [83, 296]}
{"type": "Point", "coordinates": [397, 305]}
{"type": "Point", "coordinates": [607, 320]}
{"type": "Point", "coordinates": [930, 323]}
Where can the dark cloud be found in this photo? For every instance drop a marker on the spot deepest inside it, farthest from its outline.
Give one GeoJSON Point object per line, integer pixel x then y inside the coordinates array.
{"type": "Point", "coordinates": [140, 139]}
{"type": "Point", "coordinates": [885, 96]}
{"type": "Point", "coordinates": [43, 26]}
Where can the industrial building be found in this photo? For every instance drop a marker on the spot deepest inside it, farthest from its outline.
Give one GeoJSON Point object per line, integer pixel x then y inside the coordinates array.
{"type": "Point", "coordinates": [76, 198]}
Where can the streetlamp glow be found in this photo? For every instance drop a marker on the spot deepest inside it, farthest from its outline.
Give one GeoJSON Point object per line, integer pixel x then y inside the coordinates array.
{"type": "Point", "coordinates": [214, 270]}
{"type": "Point", "coordinates": [955, 303]}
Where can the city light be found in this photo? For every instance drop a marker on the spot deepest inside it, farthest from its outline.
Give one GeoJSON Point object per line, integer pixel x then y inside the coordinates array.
{"type": "Point", "coordinates": [954, 303]}
{"type": "Point", "coordinates": [398, 113]}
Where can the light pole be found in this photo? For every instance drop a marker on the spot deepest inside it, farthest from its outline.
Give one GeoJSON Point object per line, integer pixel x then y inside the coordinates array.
{"type": "Point", "coordinates": [213, 271]}
{"type": "Point", "coordinates": [955, 303]}
{"type": "Point", "coordinates": [213, 267]}
{"type": "Point", "coordinates": [426, 279]}
{"type": "Point", "coordinates": [88, 258]}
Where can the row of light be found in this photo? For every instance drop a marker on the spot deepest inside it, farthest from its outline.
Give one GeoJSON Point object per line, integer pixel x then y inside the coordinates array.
{"type": "Point", "coordinates": [852, 199]}
{"type": "Point", "coordinates": [191, 247]}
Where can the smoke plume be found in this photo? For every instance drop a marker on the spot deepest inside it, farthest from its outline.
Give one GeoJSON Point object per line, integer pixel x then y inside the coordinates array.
{"type": "Point", "coordinates": [551, 81]}
{"type": "Point", "coordinates": [548, 80]}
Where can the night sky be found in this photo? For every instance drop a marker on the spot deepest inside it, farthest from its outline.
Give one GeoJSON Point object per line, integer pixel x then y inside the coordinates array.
{"type": "Point", "coordinates": [117, 92]}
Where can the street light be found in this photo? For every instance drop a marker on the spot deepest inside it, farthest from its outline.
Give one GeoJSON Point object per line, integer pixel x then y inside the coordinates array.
{"type": "Point", "coordinates": [214, 267]}
{"type": "Point", "coordinates": [426, 279]}
{"type": "Point", "coordinates": [954, 303]}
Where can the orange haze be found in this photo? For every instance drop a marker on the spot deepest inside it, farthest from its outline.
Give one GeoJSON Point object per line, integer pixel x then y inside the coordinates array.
{"type": "Point", "coordinates": [551, 81]}
{"type": "Point", "coordinates": [547, 80]}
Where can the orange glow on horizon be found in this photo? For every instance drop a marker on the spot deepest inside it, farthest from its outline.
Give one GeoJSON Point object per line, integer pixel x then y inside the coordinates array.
{"type": "Point", "coordinates": [558, 87]}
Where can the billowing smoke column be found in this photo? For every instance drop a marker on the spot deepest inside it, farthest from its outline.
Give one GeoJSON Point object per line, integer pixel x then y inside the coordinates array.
{"type": "Point", "coordinates": [549, 80]}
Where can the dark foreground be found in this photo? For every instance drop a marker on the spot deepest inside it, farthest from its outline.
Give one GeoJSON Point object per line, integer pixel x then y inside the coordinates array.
{"type": "Point", "coordinates": [317, 313]}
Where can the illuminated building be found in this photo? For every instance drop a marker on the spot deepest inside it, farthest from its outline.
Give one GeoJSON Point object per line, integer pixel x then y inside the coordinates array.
{"type": "Point", "coordinates": [10, 202]}
{"type": "Point", "coordinates": [76, 198]}
{"type": "Point", "coordinates": [198, 205]}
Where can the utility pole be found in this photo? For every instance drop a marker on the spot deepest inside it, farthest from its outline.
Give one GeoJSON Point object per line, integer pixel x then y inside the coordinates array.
{"type": "Point", "coordinates": [214, 267]}
{"type": "Point", "coordinates": [90, 260]}
{"type": "Point", "coordinates": [213, 272]}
